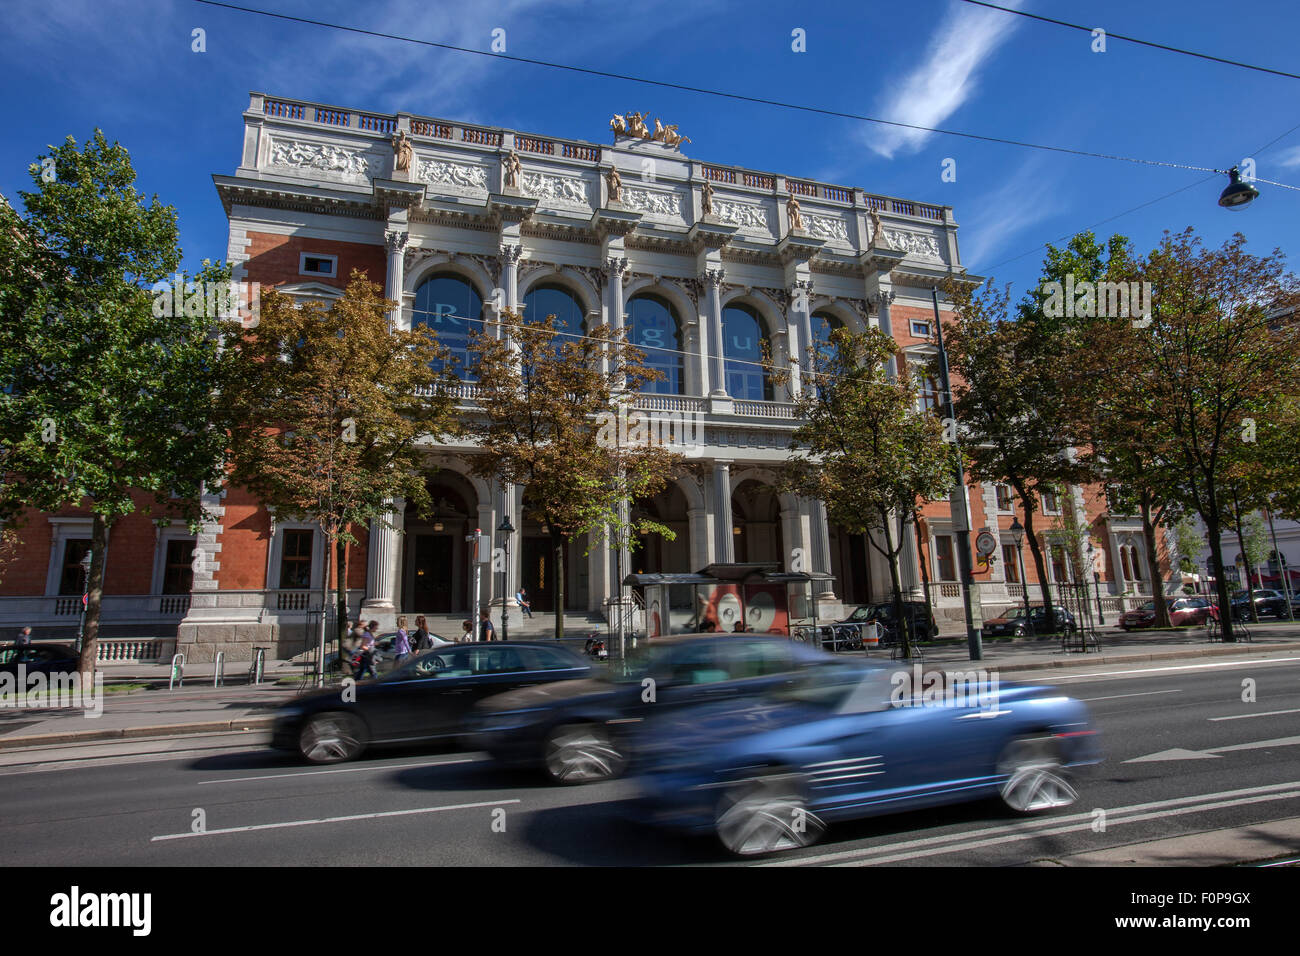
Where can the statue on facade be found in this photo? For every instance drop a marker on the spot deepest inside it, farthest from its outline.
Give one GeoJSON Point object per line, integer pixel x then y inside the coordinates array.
{"type": "Point", "coordinates": [874, 216]}
{"type": "Point", "coordinates": [619, 125]}
{"type": "Point", "coordinates": [673, 138]}
{"type": "Point", "coordinates": [636, 125]}
{"type": "Point", "coordinates": [706, 198]}
{"type": "Point", "coordinates": [512, 170]}
{"type": "Point", "coordinates": [402, 152]}
{"type": "Point", "coordinates": [615, 183]}
{"type": "Point", "coordinates": [796, 218]}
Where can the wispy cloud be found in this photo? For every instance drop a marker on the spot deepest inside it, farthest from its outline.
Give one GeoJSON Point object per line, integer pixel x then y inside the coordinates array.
{"type": "Point", "coordinates": [1289, 158]}
{"type": "Point", "coordinates": [997, 219]}
{"type": "Point", "coordinates": [944, 80]}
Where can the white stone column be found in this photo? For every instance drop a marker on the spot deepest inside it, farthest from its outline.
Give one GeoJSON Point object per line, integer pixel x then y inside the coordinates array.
{"type": "Point", "coordinates": [616, 269]}
{"type": "Point", "coordinates": [396, 240]}
{"type": "Point", "coordinates": [820, 547]}
{"type": "Point", "coordinates": [723, 547]}
{"type": "Point", "coordinates": [701, 552]}
{"type": "Point", "coordinates": [383, 555]}
{"type": "Point", "coordinates": [713, 285]}
{"type": "Point", "coordinates": [800, 322]}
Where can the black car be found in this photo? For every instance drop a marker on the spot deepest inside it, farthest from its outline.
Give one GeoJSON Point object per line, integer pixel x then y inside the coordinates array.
{"type": "Point", "coordinates": [1014, 623]}
{"type": "Point", "coordinates": [916, 613]}
{"type": "Point", "coordinates": [38, 658]}
{"type": "Point", "coordinates": [576, 731]}
{"type": "Point", "coordinates": [425, 699]}
{"type": "Point", "coordinates": [1268, 603]}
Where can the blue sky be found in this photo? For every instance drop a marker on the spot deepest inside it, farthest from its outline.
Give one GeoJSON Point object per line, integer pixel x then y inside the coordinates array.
{"type": "Point", "coordinates": [128, 68]}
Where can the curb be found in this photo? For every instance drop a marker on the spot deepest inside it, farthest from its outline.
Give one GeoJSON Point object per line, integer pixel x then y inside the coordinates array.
{"type": "Point", "coordinates": [122, 733]}
{"type": "Point", "coordinates": [1088, 660]}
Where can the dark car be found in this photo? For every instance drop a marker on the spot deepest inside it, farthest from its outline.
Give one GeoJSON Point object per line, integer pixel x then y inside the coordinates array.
{"type": "Point", "coordinates": [1183, 612]}
{"type": "Point", "coordinates": [916, 613]}
{"type": "Point", "coordinates": [425, 699]}
{"type": "Point", "coordinates": [1268, 603]}
{"type": "Point", "coordinates": [843, 743]}
{"type": "Point", "coordinates": [576, 731]}
{"type": "Point", "coordinates": [38, 658]}
{"type": "Point", "coordinates": [1015, 624]}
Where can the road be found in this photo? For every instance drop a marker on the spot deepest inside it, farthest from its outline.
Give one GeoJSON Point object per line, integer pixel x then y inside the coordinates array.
{"type": "Point", "coordinates": [1184, 755]}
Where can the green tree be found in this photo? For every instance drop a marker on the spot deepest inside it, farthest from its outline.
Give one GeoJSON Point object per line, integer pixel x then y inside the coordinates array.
{"type": "Point", "coordinates": [107, 400]}
{"type": "Point", "coordinates": [326, 410]}
{"type": "Point", "coordinates": [550, 407]}
{"type": "Point", "coordinates": [865, 448]}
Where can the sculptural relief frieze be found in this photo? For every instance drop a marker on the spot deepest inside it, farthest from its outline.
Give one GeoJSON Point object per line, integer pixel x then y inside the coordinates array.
{"type": "Point", "coordinates": [913, 242]}
{"type": "Point", "coordinates": [654, 202]}
{"type": "Point", "coordinates": [564, 190]}
{"type": "Point", "coordinates": [744, 215]}
{"type": "Point", "coordinates": [830, 228]}
{"type": "Point", "coordinates": [458, 176]}
{"type": "Point", "coordinates": [326, 158]}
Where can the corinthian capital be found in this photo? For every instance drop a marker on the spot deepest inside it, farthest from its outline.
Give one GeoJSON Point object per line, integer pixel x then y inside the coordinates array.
{"type": "Point", "coordinates": [714, 278]}
{"type": "Point", "coordinates": [616, 267]}
{"type": "Point", "coordinates": [396, 240]}
{"type": "Point", "coordinates": [510, 253]}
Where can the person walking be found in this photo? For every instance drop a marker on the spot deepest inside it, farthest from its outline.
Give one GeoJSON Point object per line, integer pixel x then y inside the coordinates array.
{"type": "Point", "coordinates": [467, 632]}
{"type": "Point", "coordinates": [525, 605]}
{"type": "Point", "coordinates": [368, 652]}
{"type": "Point", "coordinates": [402, 645]}
{"type": "Point", "coordinates": [423, 638]}
{"type": "Point", "coordinates": [486, 632]}
{"type": "Point", "coordinates": [24, 636]}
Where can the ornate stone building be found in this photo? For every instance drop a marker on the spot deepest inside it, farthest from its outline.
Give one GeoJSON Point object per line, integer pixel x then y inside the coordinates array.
{"type": "Point", "coordinates": [702, 264]}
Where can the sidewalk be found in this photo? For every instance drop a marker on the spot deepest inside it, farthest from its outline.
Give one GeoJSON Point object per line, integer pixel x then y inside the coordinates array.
{"type": "Point", "coordinates": [199, 708]}
{"type": "Point", "coordinates": [1259, 842]}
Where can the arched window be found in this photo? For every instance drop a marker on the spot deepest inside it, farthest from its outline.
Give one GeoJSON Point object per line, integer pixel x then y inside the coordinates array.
{"type": "Point", "coordinates": [743, 338]}
{"type": "Point", "coordinates": [453, 309]}
{"type": "Point", "coordinates": [823, 324]}
{"type": "Point", "coordinates": [556, 300]}
{"type": "Point", "coordinates": [653, 328]}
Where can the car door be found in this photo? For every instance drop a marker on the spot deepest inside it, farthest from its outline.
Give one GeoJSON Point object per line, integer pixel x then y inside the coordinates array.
{"type": "Point", "coordinates": [495, 667]}
{"type": "Point", "coordinates": [404, 704]}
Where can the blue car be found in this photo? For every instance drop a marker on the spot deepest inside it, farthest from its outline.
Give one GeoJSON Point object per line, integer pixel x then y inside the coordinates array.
{"type": "Point", "coordinates": [849, 740]}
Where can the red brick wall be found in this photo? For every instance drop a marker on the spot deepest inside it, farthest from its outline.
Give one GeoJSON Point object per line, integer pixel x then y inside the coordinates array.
{"type": "Point", "coordinates": [274, 259]}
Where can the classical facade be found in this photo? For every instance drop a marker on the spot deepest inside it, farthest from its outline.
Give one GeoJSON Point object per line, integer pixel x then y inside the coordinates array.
{"type": "Point", "coordinates": [702, 264]}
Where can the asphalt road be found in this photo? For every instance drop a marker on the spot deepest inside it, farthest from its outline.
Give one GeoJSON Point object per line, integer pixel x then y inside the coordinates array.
{"type": "Point", "coordinates": [1184, 755]}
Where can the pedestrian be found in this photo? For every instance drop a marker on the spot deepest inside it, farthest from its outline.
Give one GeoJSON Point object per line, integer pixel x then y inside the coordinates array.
{"type": "Point", "coordinates": [423, 639]}
{"type": "Point", "coordinates": [467, 635]}
{"type": "Point", "coordinates": [402, 644]}
{"type": "Point", "coordinates": [347, 648]}
{"type": "Point", "coordinates": [486, 632]}
{"type": "Point", "coordinates": [368, 652]}
{"type": "Point", "coordinates": [25, 636]}
{"type": "Point", "coordinates": [522, 598]}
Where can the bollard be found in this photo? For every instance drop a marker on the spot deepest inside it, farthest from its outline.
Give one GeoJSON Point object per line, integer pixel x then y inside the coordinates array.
{"type": "Point", "coordinates": [259, 665]}
{"type": "Point", "coordinates": [178, 671]}
{"type": "Point", "coordinates": [218, 669]}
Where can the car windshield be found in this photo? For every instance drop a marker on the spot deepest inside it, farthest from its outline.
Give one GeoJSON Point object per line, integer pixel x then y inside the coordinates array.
{"type": "Point", "coordinates": [824, 686]}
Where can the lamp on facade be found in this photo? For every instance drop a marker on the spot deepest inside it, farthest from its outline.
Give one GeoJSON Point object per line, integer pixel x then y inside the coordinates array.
{"type": "Point", "coordinates": [505, 529]}
{"type": "Point", "coordinates": [1018, 535]}
{"type": "Point", "coordinates": [1237, 194]}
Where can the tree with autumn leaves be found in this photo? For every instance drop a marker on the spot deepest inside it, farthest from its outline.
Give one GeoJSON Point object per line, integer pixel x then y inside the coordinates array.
{"type": "Point", "coordinates": [326, 409]}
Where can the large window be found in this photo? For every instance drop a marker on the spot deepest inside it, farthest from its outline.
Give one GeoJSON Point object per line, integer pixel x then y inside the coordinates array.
{"type": "Point", "coordinates": [71, 577]}
{"type": "Point", "coordinates": [178, 572]}
{"type": "Point", "coordinates": [549, 299]}
{"type": "Point", "coordinates": [946, 565]}
{"type": "Point", "coordinates": [1004, 497]}
{"type": "Point", "coordinates": [295, 558]}
{"type": "Point", "coordinates": [653, 328]}
{"type": "Point", "coordinates": [743, 340]}
{"type": "Point", "coordinates": [1011, 563]}
{"type": "Point", "coordinates": [823, 324]}
{"type": "Point", "coordinates": [452, 308]}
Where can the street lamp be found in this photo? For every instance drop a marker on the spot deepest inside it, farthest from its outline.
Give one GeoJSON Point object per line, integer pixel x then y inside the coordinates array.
{"type": "Point", "coordinates": [505, 529]}
{"type": "Point", "coordinates": [1237, 194]}
{"type": "Point", "coordinates": [84, 564]}
{"type": "Point", "coordinates": [1018, 535]}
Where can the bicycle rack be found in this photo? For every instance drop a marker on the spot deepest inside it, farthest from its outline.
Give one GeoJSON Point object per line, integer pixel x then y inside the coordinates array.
{"type": "Point", "coordinates": [218, 669]}
{"type": "Point", "coordinates": [178, 671]}
{"type": "Point", "coordinates": [258, 668]}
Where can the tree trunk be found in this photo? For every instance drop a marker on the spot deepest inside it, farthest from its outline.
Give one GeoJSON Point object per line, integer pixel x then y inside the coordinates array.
{"type": "Point", "coordinates": [558, 542]}
{"type": "Point", "coordinates": [1153, 563]}
{"type": "Point", "coordinates": [896, 582]}
{"type": "Point", "coordinates": [1035, 549]}
{"type": "Point", "coordinates": [1241, 543]}
{"type": "Point", "coordinates": [925, 572]}
{"type": "Point", "coordinates": [342, 623]}
{"type": "Point", "coordinates": [1213, 523]}
{"type": "Point", "coordinates": [324, 605]}
{"type": "Point", "coordinates": [94, 598]}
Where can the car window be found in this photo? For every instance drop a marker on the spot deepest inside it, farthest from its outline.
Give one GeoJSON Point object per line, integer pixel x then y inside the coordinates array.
{"type": "Point", "coordinates": [758, 658]}
{"type": "Point", "coordinates": [448, 663]}
{"type": "Point", "coordinates": [552, 659]}
{"type": "Point", "coordinates": [695, 663]}
{"type": "Point", "coordinates": [495, 660]}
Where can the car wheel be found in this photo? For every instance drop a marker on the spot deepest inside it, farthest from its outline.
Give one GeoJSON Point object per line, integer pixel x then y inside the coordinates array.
{"type": "Point", "coordinates": [1035, 780]}
{"type": "Point", "coordinates": [582, 753]}
{"type": "Point", "coordinates": [332, 738]}
{"type": "Point", "coordinates": [766, 814]}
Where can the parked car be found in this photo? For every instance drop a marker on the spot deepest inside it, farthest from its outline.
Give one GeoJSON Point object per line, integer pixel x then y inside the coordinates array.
{"type": "Point", "coordinates": [576, 731]}
{"type": "Point", "coordinates": [1015, 624]}
{"type": "Point", "coordinates": [838, 745]}
{"type": "Point", "coordinates": [1183, 612]}
{"type": "Point", "coordinates": [1268, 603]}
{"type": "Point", "coordinates": [38, 658]}
{"type": "Point", "coordinates": [425, 699]}
{"type": "Point", "coordinates": [916, 613]}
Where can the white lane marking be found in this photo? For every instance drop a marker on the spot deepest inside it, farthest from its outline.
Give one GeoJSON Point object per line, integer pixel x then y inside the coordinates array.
{"type": "Point", "coordinates": [1030, 827]}
{"type": "Point", "coordinates": [1110, 822]}
{"type": "Point", "coordinates": [348, 819]}
{"type": "Point", "coordinates": [1267, 713]}
{"type": "Point", "coordinates": [1179, 754]}
{"type": "Point", "coordinates": [1181, 667]}
{"type": "Point", "coordinates": [312, 773]}
{"type": "Point", "coordinates": [1149, 693]}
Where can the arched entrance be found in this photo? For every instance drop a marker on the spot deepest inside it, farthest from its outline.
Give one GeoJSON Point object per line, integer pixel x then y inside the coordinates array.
{"type": "Point", "coordinates": [653, 553]}
{"type": "Point", "coordinates": [851, 565]}
{"type": "Point", "coordinates": [435, 569]}
{"type": "Point", "coordinates": [537, 566]}
{"type": "Point", "coordinates": [756, 523]}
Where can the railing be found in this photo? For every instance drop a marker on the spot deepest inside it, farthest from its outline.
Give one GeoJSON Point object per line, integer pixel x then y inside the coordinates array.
{"type": "Point", "coordinates": [376, 124]}
{"type": "Point", "coordinates": [292, 600]}
{"type": "Point", "coordinates": [950, 590]}
{"type": "Point", "coordinates": [132, 649]}
{"type": "Point", "coordinates": [67, 605]}
{"type": "Point", "coordinates": [669, 403]}
{"type": "Point", "coordinates": [766, 409]}
{"type": "Point", "coordinates": [1016, 590]}
{"type": "Point", "coordinates": [532, 144]}
{"type": "Point", "coordinates": [283, 110]}
{"type": "Point", "coordinates": [174, 604]}
{"type": "Point", "coordinates": [429, 128]}
{"type": "Point", "coordinates": [719, 175]}
{"type": "Point", "coordinates": [574, 151]}
{"type": "Point", "coordinates": [484, 137]}
{"type": "Point", "coordinates": [798, 188]}
{"type": "Point", "coordinates": [332, 117]}
{"type": "Point", "coordinates": [759, 181]}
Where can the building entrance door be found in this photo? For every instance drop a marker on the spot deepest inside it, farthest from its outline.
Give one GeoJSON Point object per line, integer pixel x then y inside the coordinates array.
{"type": "Point", "coordinates": [538, 576]}
{"type": "Point", "coordinates": [431, 592]}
